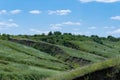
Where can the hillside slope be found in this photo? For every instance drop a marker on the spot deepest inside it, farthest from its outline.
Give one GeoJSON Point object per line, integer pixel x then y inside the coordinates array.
{"type": "Point", "coordinates": [20, 62]}
{"type": "Point", "coordinates": [104, 70]}
{"type": "Point", "coordinates": [59, 57]}
{"type": "Point", "coordinates": [73, 57]}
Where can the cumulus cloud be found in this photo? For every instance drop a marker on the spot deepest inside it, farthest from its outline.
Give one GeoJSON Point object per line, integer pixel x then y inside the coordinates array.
{"type": "Point", "coordinates": [115, 18]}
{"type": "Point", "coordinates": [3, 11]}
{"type": "Point", "coordinates": [17, 11]}
{"type": "Point", "coordinates": [60, 25]}
{"type": "Point", "coordinates": [56, 26]}
{"type": "Point", "coordinates": [93, 27]}
{"type": "Point", "coordinates": [102, 1]}
{"type": "Point", "coordinates": [71, 23]}
{"type": "Point", "coordinates": [77, 33]}
{"type": "Point", "coordinates": [82, 33]}
{"type": "Point", "coordinates": [37, 31]}
{"type": "Point", "coordinates": [109, 27]}
{"type": "Point", "coordinates": [59, 12]}
{"type": "Point", "coordinates": [8, 24]}
{"type": "Point", "coordinates": [117, 31]}
{"type": "Point", "coordinates": [35, 12]}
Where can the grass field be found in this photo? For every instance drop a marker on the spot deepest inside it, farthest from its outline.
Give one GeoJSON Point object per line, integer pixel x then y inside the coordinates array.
{"type": "Point", "coordinates": [16, 58]}
{"type": "Point", "coordinates": [45, 61]}
{"type": "Point", "coordinates": [95, 48]}
{"type": "Point", "coordinates": [79, 72]}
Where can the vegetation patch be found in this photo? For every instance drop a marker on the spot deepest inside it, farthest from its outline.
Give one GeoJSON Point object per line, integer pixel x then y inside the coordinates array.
{"type": "Point", "coordinates": [87, 70]}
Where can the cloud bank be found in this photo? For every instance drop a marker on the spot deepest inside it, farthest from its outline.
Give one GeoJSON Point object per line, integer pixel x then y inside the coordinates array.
{"type": "Point", "coordinates": [7, 24]}
{"type": "Point", "coordinates": [60, 25]}
{"type": "Point", "coordinates": [115, 18]}
{"type": "Point", "coordinates": [59, 12]}
{"type": "Point", "coordinates": [17, 11]}
{"type": "Point", "coordinates": [35, 12]}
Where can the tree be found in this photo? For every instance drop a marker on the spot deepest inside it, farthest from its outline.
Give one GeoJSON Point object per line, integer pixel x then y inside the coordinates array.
{"type": "Point", "coordinates": [96, 39]}
{"type": "Point", "coordinates": [5, 36]}
{"type": "Point", "coordinates": [111, 38]}
{"type": "Point", "coordinates": [57, 33]}
{"type": "Point", "coordinates": [50, 33]}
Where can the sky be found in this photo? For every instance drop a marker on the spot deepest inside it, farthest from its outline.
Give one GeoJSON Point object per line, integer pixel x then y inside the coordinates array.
{"type": "Point", "coordinates": [85, 17]}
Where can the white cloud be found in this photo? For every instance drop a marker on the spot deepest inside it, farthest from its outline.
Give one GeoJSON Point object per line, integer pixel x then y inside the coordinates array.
{"type": "Point", "coordinates": [109, 27]}
{"type": "Point", "coordinates": [115, 18]}
{"type": "Point", "coordinates": [35, 11]}
{"type": "Point", "coordinates": [17, 11]}
{"type": "Point", "coordinates": [60, 25]}
{"type": "Point", "coordinates": [37, 31]}
{"type": "Point", "coordinates": [93, 27]}
{"type": "Point", "coordinates": [71, 23]}
{"type": "Point", "coordinates": [82, 33]}
{"type": "Point", "coordinates": [56, 26]}
{"type": "Point", "coordinates": [117, 31]}
{"type": "Point", "coordinates": [3, 11]}
{"type": "Point", "coordinates": [5, 25]}
{"type": "Point", "coordinates": [77, 33]}
{"type": "Point", "coordinates": [102, 1]}
{"type": "Point", "coordinates": [59, 12]}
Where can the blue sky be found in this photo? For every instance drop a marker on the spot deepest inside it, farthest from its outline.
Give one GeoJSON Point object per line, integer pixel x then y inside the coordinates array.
{"type": "Point", "coordinates": [86, 17]}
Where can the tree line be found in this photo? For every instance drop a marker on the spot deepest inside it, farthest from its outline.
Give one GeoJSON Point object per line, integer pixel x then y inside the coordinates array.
{"type": "Point", "coordinates": [59, 38]}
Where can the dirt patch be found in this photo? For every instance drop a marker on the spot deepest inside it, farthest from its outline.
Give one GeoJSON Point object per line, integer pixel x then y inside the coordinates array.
{"type": "Point", "coordinates": [105, 74]}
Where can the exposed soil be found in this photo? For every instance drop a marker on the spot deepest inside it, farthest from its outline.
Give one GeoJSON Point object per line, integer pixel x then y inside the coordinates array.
{"type": "Point", "coordinates": [52, 50]}
{"type": "Point", "coordinates": [105, 74]}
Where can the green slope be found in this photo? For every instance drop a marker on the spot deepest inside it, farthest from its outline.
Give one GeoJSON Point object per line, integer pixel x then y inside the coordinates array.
{"type": "Point", "coordinates": [19, 62]}
{"type": "Point", "coordinates": [72, 57]}
{"type": "Point", "coordinates": [82, 54]}
{"type": "Point", "coordinates": [112, 45]}
{"type": "Point", "coordinates": [80, 72]}
{"type": "Point", "coordinates": [96, 48]}
{"type": "Point", "coordinates": [15, 71]}
{"type": "Point", "coordinates": [39, 60]}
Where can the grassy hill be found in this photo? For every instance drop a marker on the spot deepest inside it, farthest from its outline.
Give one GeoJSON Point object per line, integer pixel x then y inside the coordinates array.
{"type": "Point", "coordinates": [59, 57]}
{"type": "Point", "coordinates": [19, 61]}
{"type": "Point", "coordinates": [96, 48]}
{"type": "Point", "coordinates": [84, 73]}
{"type": "Point", "coordinates": [71, 56]}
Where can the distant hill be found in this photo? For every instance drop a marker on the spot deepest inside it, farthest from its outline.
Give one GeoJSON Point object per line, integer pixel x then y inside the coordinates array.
{"type": "Point", "coordinates": [58, 56]}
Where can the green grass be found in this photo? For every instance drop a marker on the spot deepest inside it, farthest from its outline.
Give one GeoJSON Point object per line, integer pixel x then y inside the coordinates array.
{"type": "Point", "coordinates": [11, 70]}
{"type": "Point", "coordinates": [82, 54]}
{"type": "Point", "coordinates": [23, 54]}
{"type": "Point", "coordinates": [79, 72]}
{"type": "Point", "coordinates": [19, 62]}
{"type": "Point", "coordinates": [27, 50]}
{"type": "Point", "coordinates": [112, 45]}
{"type": "Point", "coordinates": [97, 49]}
